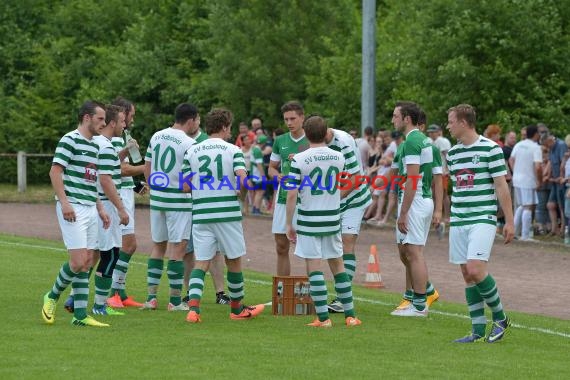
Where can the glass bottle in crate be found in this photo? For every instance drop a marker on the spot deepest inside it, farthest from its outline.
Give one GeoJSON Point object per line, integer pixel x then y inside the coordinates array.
{"type": "Point", "coordinates": [297, 295]}
{"type": "Point", "coordinates": [280, 297]}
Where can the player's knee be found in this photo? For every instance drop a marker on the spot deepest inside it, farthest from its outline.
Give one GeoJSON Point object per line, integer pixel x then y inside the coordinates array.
{"type": "Point", "coordinates": [282, 244]}
{"type": "Point", "coordinates": [129, 244]}
{"type": "Point", "coordinates": [473, 274]}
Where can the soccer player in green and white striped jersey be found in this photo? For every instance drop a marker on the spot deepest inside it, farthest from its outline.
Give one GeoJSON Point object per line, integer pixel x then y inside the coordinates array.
{"type": "Point", "coordinates": [108, 186]}
{"type": "Point", "coordinates": [353, 206]}
{"type": "Point", "coordinates": [477, 171]}
{"type": "Point", "coordinates": [217, 170]}
{"type": "Point", "coordinates": [170, 207]}
{"type": "Point", "coordinates": [119, 297]}
{"type": "Point", "coordinates": [415, 204]}
{"type": "Point", "coordinates": [217, 265]}
{"type": "Point", "coordinates": [318, 232]}
{"type": "Point", "coordinates": [74, 179]}
{"type": "Point", "coordinates": [432, 294]}
{"type": "Point", "coordinates": [284, 148]}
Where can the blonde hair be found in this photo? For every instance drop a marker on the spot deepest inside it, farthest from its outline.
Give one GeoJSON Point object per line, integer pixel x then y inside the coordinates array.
{"type": "Point", "coordinates": [567, 140]}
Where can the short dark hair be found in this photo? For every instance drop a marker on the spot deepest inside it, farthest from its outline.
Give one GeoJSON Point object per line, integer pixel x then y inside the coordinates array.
{"type": "Point", "coordinates": [368, 131]}
{"type": "Point", "coordinates": [466, 113]}
{"type": "Point", "coordinates": [217, 119]}
{"type": "Point", "coordinates": [422, 118]}
{"type": "Point", "coordinates": [89, 108]}
{"type": "Point", "coordinates": [126, 104]}
{"type": "Point", "coordinates": [410, 109]}
{"type": "Point", "coordinates": [531, 131]}
{"type": "Point", "coordinates": [293, 105]}
{"type": "Point", "coordinates": [315, 129]}
{"type": "Point", "coordinates": [112, 113]}
{"type": "Point", "coordinates": [185, 112]}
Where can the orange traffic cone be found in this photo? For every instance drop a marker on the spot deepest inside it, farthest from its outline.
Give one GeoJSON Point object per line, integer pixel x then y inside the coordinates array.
{"type": "Point", "coordinates": [373, 277]}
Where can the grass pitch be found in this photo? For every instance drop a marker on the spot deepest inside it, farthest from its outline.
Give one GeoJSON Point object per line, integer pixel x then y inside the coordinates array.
{"type": "Point", "coordinates": [160, 344]}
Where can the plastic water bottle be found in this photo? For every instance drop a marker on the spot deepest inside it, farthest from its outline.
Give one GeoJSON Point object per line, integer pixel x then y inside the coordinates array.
{"type": "Point", "coordinates": [134, 153]}
{"type": "Point", "coordinates": [566, 236]}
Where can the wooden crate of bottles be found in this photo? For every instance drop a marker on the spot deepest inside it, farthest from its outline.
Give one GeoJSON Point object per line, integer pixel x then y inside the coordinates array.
{"type": "Point", "coordinates": [291, 296]}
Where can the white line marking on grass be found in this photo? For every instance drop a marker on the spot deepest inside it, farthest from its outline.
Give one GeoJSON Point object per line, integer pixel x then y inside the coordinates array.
{"type": "Point", "coordinates": [361, 299]}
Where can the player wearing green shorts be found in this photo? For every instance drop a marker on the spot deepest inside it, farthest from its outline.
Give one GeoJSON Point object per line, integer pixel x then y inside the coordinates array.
{"type": "Point", "coordinates": [318, 230]}
{"type": "Point", "coordinates": [477, 171]}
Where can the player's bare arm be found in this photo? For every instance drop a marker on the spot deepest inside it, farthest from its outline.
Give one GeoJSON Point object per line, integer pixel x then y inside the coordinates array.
{"type": "Point", "coordinates": [290, 210]}
{"type": "Point", "coordinates": [504, 197]}
{"type": "Point", "coordinates": [413, 171]}
{"type": "Point", "coordinates": [273, 170]}
{"type": "Point", "coordinates": [56, 177]}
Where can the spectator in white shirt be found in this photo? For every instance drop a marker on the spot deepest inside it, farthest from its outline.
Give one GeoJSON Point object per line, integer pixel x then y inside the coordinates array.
{"type": "Point", "coordinates": [526, 161]}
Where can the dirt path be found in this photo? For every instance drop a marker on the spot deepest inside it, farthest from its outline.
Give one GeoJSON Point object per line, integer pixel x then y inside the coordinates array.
{"type": "Point", "coordinates": [532, 277]}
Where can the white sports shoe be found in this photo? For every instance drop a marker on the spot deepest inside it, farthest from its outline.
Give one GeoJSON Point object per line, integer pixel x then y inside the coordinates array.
{"type": "Point", "coordinates": [182, 307]}
{"type": "Point", "coordinates": [410, 312]}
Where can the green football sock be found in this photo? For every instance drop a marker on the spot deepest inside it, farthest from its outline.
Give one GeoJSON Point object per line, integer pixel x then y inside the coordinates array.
{"type": "Point", "coordinates": [476, 310]}
{"type": "Point", "coordinates": [419, 301]}
{"type": "Point", "coordinates": [196, 287]}
{"type": "Point", "coordinates": [490, 293]}
{"type": "Point", "coordinates": [235, 291]}
{"type": "Point", "coordinates": [80, 286]}
{"type": "Point", "coordinates": [120, 275]}
{"type": "Point", "coordinates": [430, 290]}
{"type": "Point", "coordinates": [64, 278]}
{"type": "Point", "coordinates": [319, 294]}
{"type": "Point", "coordinates": [175, 271]}
{"type": "Point", "coordinates": [343, 288]}
{"type": "Point", "coordinates": [154, 274]}
{"type": "Point", "coordinates": [349, 260]}
{"type": "Point", "coordinates": [102, 287]}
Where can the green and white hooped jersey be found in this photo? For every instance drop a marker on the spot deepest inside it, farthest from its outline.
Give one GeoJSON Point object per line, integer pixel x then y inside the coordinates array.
{"type": "Point", "coordinates": [119, 144]}
{"type": "Point", "coordinates": [256, 158]}
{"type": "Point", "coordinates": [344, 143]}
{"type": "Point", "coordinates": [79, 158]}
{"type": "Point", "coordinates": [165, 153]}
{"type": "Point", "coordinates": [417, 150]}
{"type": "Point", "coordinates": [284, 148]}
{"type": "Point", "coordinates": [316, 173]}
{"type": "Point", "coordinates": [472, 169]}
{"type": "Point", "coordinates": [214, 163]}
{"type": "Point", "coordinates": [109, 164]}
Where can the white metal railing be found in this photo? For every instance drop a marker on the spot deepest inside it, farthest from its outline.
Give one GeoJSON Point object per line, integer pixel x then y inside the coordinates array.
{"type": "Point", "coordinates": [21, 158]}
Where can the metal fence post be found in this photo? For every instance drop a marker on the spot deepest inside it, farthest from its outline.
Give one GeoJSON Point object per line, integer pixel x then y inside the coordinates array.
{"type": "Point", "coordinates": [22, 174]}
